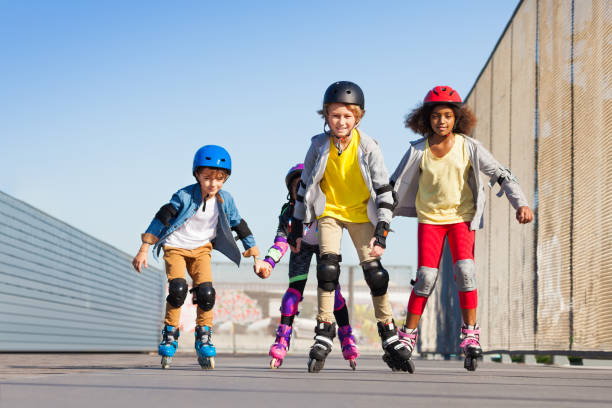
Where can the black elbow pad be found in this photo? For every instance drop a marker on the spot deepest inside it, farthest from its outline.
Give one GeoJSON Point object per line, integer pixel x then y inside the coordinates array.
{"type": "Point", "coordinates": [166, 213]}
{"type": "Point", "coordinates": [242, 229]}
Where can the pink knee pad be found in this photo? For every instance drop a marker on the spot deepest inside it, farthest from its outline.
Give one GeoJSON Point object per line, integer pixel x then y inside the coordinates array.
{"type": "Point", "coordinates": [289, 304]}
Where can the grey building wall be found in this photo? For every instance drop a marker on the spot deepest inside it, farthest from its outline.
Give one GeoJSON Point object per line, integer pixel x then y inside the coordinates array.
{"type": "Point", "coordinates": [63, 290]}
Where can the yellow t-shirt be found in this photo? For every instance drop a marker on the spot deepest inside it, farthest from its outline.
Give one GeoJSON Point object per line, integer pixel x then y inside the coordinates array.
{"type": "Point", "coordinates": [444, 195]}
{"type": "Point", "coordinates": [346, 194]}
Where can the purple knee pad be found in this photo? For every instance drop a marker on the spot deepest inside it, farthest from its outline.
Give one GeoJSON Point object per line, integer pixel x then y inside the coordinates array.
{"type": "Point", "coordinates": [289, 304]}
{"type": "Point", "coordinates": [338, 300]}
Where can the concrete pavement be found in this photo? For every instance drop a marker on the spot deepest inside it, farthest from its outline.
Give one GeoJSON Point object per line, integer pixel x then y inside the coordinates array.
{"type": "Point", "coordinates": [135, 380]}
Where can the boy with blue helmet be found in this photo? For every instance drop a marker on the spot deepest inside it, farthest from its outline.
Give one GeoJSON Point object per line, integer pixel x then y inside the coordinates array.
{"type": "Point", "coordinates": [197, 219]}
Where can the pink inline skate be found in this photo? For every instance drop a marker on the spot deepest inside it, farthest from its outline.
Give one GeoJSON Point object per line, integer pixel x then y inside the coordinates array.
{"type": "Point", "coordinates": [470, 336]}
{"type": "Point", "coordinates": [350, 352]}
{"type": "Point", "coordinates": [278, 350]}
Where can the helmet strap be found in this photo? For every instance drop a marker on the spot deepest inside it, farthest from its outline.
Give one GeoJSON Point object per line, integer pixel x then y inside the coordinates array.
{"type": "Point", "coordinates": [327, 131]}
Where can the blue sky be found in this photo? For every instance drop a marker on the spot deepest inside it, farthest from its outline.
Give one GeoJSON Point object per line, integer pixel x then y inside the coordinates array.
{"type": "Point", "coordinates": [103, 104]}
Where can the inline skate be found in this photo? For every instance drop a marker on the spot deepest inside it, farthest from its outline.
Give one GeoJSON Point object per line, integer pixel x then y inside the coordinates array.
{"type": "Point", "coordinates": [350, 352]}
{"type": "Point", "coordinates": [324, 338]}
{"type": "Point", "coordinates": [169, 344]}
{"type": "Point", "coordinates": [397, 355]}
{"type": "Point", "coordinates": [470, 344]}
{"type": "Point", "coordinates": [204, 347]}
{"type": "Point", "coordinates": [278, 350]}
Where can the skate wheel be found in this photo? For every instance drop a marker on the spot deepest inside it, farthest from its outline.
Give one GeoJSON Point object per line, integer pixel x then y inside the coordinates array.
{"type": "Point", "coordinates": [165, 362]}
{"type": "Point", "coordinates": [387, 359]}
{"type": "Point", "coordinates": [207, 363]}
{"type": "Point", "coordinates": [411, 366]}
{"type": "Point", "coordinates": [470, 363]}
{"type": "Point", "coordinates": [353, 364]}
{"type": "Point", "coordinates": [275, 363]}
{"type": "Point", "coordinates": [314, 366]}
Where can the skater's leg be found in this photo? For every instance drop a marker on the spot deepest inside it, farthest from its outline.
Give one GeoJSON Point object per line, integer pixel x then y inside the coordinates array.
{"type": "Point", "coordinates": [430, 244]}
{"type": "Point", "coordinates": [328, 274]}
{"type": "Point", "coordinates": [328, 266]}
{"type": "Point", "coordinates": [288, 309]}
{"type": "Point", "coordinates": [340, 309]}
{"type": "Point", "coordinates": [204, 295]}
{"type": "Point", "coordinates": [461, 242]}
{"type": "Point", "coordinates": [199, 267]}
{"type": "Point", "coordinates": [299, 264]}
{"type": "Point", "coordinates": [350, 351]}
{"type": "Point", "coordinates": [177, 292]}
{"type": "Point", "coordinates": [175, 261]}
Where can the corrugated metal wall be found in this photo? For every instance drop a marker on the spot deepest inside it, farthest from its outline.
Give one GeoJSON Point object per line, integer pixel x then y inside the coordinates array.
{"type": "Point", "coordinates": [63, 290]}
{"type": "Point", "coordinates": [541, 101]}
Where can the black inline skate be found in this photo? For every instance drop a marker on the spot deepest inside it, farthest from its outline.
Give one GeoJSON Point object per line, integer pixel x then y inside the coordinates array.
{"type": "Point", "coordinates": [397, 355]}
{"type": "Point", "coordinates": [324, 339]}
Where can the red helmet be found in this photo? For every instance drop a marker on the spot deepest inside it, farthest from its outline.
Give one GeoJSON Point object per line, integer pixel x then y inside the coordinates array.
{"type": "Point", "coordinates": [442, 94]}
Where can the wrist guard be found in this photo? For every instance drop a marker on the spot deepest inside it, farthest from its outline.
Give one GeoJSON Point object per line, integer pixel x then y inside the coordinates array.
{"type": "Point", "coordinates": [380, 233]}
{"type": "Point", "coordinates": [296, 231]}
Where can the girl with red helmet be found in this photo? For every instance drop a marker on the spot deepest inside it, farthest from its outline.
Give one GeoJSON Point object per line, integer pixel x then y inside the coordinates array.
{"type": "Point", "coordinates": [438, 182]}
{"type": "Point", "coordinates": [299, 264]}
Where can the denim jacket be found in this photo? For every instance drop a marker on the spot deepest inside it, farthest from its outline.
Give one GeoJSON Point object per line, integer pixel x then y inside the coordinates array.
{"type": "Point", "coordinates": [406, 180]}
{"type": "Point", "coordinates": [372, 168]}
{"type": "Point", "coordinates": [187, 201]}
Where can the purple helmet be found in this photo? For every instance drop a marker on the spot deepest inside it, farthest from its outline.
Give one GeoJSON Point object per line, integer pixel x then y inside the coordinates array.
{"type": "Point", "coordinates": [295, 171]}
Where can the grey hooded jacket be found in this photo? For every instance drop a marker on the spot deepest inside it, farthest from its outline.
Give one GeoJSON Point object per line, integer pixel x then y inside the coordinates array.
{"type": "Point", "coordinates": [373, 171]}
{"type": "Point", "coordinates": [406, 180]}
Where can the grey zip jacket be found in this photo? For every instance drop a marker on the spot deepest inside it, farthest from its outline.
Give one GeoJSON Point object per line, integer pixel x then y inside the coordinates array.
{"type": "Point", "coordinates": [373, 171]}
{"type": "Point", "coordinates": [406, 180]}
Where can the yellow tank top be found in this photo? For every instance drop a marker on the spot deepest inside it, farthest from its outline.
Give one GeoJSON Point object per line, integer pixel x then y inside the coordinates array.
{"type": "Point", "coordinates": [346, 194]}
{"type": "Point", "coordinates": [444, 195]}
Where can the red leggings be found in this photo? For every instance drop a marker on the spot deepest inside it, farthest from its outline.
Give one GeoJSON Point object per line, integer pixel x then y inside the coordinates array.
{"type": "Point", "coordinates": [431, 243]}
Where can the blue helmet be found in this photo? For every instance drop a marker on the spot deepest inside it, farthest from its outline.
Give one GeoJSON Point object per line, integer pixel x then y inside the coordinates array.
{"type": "Point", "coordinates": [212, 156]}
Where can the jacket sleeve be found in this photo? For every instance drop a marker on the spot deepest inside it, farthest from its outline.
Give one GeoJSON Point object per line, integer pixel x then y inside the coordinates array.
{"type": "Point", "coordinates": [400, 168]}
{"type": "Point", "coordinates": [235, 221]}
{"type": "Point", "coordinates": [156, 227]}
{"type": "Point", "coordinates": [309, 162]}
{"type": "Point", "coordinates": [280, 246]}
{"type": "Point", "coordinates": [501, 175]}
{"type": "Point", "coordinates": [380, 183]}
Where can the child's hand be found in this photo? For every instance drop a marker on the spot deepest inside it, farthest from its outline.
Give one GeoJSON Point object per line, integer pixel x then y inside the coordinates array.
{"type": "Point", "coordinates": [524, 215]}
{"type": "Point", "coordinates": [375, 250]}
{"type": "Point", "coordinates": [298, 246]}
{"type": "Point", "coordinates": [262, 269]}
{"type": "Point", "coordinates": [140, 261]}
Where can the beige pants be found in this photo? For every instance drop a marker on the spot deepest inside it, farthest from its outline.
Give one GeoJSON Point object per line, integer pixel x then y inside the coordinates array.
{"type": "Point", "coordinates": [330, 239]}
{"type": "Point", "coordinates": [197, 263]}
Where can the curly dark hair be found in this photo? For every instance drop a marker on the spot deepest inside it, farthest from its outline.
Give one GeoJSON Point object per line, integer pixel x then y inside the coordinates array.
{"type": "Point", "coordinates": [418, 120]}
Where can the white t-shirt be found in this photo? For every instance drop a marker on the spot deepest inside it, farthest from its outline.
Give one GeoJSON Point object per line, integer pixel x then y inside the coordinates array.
{"type": "Point", "coordinates": [198, 230]}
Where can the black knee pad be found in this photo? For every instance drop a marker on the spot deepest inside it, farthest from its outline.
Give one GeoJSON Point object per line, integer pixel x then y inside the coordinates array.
{"type": "Point", "coordinates": [204, 295]}
{"type": "Point", "coordinates": [376, 277]}
{"type": "Point", "coordinates": [328, 271]}
{"type": "Point", "coordinates": [177, 292]}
